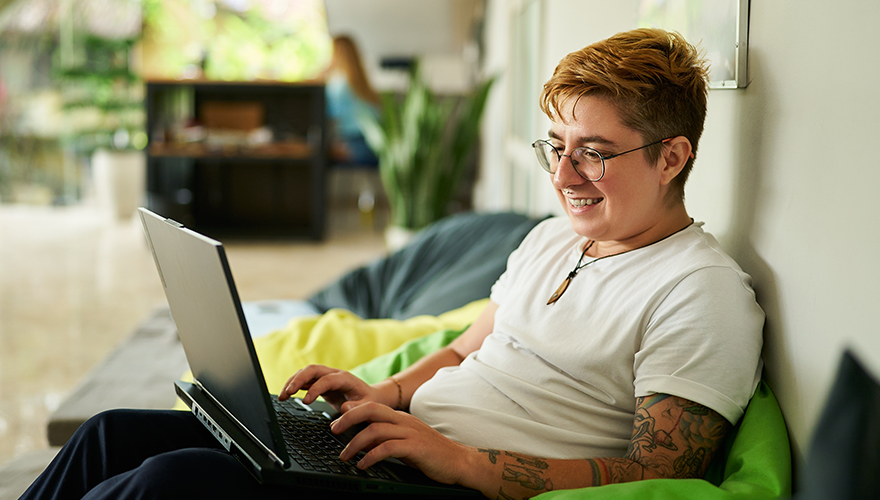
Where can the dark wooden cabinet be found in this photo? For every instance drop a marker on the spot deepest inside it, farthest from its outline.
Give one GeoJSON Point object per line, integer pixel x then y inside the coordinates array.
{"type": "Point", "coordinates": [238, 159]}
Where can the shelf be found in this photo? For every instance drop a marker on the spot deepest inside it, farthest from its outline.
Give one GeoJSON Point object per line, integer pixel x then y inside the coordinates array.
{"type": "Point", "coordinates": [225, 179]}
{"type": "Point", "coordinates": [200, 82]}
{"type": "Point", "coordinates": [293, 150]}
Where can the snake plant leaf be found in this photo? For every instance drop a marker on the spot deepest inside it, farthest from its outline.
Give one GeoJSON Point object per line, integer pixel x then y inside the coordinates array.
{"type": "Point", "coordinates": [424, 144]}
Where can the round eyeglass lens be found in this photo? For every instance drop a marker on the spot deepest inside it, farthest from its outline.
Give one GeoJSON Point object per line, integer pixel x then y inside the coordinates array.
{"type": "Point", "coordinates": [588, 163]}
{"type": "Point", "coordinates": [547, 155]}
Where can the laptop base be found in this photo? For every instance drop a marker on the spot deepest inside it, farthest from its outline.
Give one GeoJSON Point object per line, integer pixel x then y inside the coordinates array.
{"type": "Point", "coordinates": [265, 470]}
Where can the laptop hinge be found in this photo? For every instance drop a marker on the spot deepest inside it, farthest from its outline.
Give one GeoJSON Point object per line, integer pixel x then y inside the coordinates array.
{"type": "Point", "coordinates": [269, 452]}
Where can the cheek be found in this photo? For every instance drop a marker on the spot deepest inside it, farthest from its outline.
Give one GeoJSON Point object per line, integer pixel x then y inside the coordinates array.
{"type": "Point", "coordinates": [630, 187]}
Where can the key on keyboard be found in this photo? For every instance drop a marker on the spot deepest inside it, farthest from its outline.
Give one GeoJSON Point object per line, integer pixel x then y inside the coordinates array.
{"type": "Point", "coordinates": [313, 446]}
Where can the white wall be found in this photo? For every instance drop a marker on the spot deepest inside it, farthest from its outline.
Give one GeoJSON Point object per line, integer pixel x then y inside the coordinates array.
{"type": "Point", "coordinates": [787, 176]}
{"type": "Point", "coordinates": [803, 215]}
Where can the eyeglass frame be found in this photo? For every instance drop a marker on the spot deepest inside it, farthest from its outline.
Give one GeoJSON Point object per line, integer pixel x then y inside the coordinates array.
{"type": "Point", "coordinates": [602, 157]}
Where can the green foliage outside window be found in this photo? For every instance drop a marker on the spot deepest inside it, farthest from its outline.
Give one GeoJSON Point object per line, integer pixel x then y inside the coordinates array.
{"type": "Point", "coordinates": [102, 97]}
{"type": "Point", "coordinates": [269, 40]}
{"type": "Point", "coordinates": [82, 80]}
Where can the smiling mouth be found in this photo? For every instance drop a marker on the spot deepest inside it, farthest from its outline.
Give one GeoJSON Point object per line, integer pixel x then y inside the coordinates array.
{"type": "Point", "coordinates": [583, 202]}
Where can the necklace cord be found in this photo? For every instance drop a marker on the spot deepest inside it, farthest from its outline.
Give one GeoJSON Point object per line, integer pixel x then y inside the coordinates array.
{"type": "Point", "coordinates": [564, 286]}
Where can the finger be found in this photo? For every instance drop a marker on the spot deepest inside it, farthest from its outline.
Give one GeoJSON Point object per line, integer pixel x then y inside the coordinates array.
{"type": "Point", "coordinates": [292, 377]}
{"type": "Point", "coordinates": [351, 404]}
{"type": "Point", "coordinates": [368, 439]}
{"type": "Point", "coordinates": [286, 388]}
{"type": "Point", "coordinates": [338, 381]}
{"type": "Point", "coordinates": [364, 412]}
{"type": "Point", "coordinates": [304, 378]}
{"type": "Point", "coordinates": [392, 448]}
{"type": "Point", "coordinates": [294, 387]}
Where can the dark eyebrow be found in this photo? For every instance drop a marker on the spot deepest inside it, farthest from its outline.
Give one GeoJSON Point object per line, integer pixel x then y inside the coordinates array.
{"type": "Point", "coordinates": [593, 139]}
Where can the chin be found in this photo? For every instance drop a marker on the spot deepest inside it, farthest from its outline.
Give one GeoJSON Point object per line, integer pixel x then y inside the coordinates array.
{"type": "Point", "coordinates": [583, 224]}
{"type": "Point", "coordinates": [582, 227]}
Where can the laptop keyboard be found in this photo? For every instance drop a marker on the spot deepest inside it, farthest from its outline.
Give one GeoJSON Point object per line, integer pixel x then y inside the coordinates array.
{"type": "Point", "coordinates": [312, 445]}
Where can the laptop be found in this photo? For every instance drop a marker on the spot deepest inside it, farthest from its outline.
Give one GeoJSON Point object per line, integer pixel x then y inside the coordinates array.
{"type": "Point", "coordinates": [278, 442]}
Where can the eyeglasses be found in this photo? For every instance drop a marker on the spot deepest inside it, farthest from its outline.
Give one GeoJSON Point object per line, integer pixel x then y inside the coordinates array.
{"type": "Point", "coordinates": [587, 162]}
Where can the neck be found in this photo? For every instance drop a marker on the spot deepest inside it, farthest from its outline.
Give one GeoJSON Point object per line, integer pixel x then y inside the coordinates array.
{"type": "Point", "coordinates": [665, 227]}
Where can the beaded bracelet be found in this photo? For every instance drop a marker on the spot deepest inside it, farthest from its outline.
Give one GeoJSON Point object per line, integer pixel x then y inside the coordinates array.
{"type": "Point", "coordinates": [399, 394]}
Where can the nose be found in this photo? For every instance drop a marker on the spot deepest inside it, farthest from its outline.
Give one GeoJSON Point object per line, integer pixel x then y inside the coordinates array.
{"type": "Point", "coordinates": [565, 174]}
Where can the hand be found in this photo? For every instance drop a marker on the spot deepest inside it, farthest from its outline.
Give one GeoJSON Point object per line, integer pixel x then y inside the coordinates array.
{"type": "Point", "coordinates": [339, 388]}
{"type": "Point", "coordinates": [396, 434]}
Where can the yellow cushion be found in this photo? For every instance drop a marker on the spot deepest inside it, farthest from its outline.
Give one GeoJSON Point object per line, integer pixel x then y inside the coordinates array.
{"type": "Point", "coordinates": [341, 339]}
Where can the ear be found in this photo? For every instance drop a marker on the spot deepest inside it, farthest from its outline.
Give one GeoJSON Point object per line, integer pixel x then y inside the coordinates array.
{"type": "Point", "coordinates": [676, 152]}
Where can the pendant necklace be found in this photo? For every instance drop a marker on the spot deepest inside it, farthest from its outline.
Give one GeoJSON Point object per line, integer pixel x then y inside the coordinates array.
{"type": "Point", "coordinates": [564, 286]}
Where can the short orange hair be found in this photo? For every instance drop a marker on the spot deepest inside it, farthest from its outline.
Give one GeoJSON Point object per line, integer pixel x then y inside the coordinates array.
{"type": "Point", "coordinates": [655, 78]}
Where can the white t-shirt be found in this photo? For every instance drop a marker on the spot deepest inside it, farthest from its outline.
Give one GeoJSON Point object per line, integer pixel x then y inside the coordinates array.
{"type": "Point", "coordinates": [676, 317]}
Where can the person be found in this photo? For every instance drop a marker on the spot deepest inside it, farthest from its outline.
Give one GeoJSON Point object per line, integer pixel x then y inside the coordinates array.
{"type": "Point", "coordinates": [620, 344]}
{"type": "Point", "coordinates": [349, 93]}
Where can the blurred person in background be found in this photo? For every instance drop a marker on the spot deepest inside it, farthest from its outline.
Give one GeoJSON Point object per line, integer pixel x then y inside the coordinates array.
{"type": "Point", "coordinates": [349, 93]}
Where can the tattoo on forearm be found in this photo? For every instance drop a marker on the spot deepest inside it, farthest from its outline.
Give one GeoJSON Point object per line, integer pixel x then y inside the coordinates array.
{"type": "Point", "coordinates": [524, 471]}
{"type": "Point", "coordinates": [527, 477]}
{"type": "Point", "coordinates": [493, 454]}
{"type": "Point", "coordinates": [528, 461]}
{"type": "Point", "coordinates": [597, 472]}
{"type": "Point", "coordinates": [615, 470]}
{"type": "Point", "coordinates": [674, 440]}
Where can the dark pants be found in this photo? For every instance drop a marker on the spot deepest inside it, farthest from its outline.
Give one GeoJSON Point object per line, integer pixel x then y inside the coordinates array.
{"type": "Point", "coordinates": [146, 454]}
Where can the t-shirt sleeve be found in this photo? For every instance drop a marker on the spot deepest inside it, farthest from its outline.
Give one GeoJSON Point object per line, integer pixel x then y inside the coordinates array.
{"type": "Point", "coordinates": [703, 342]}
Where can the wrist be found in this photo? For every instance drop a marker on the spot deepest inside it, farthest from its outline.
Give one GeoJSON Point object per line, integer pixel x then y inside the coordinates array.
{"type": "Point", "coordinates": [390, 392]}
{"type": "Point", "coordinates": [399, 405]}
{"type": "Point", "coordinates": [477, 471]}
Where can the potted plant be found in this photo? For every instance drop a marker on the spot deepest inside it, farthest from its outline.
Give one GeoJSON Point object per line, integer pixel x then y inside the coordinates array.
{"type": "Point", "coordinates": [103, 100]}
{"type": "Point", "coordinates": [425, 145]}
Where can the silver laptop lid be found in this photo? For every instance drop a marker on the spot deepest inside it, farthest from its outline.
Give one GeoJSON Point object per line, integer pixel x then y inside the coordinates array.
{"type": "Point", "coordinates": [207, 311]}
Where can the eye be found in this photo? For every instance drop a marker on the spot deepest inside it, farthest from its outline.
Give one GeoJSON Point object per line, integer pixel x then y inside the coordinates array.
{"type": "Point", "coordinates": [587, 155]}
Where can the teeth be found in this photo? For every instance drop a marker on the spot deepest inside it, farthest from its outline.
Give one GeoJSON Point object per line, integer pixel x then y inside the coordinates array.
{"type": "Point", "coordinates": [584, 201]}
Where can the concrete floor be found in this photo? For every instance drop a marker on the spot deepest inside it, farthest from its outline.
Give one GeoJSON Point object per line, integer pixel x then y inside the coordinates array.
{"type": "Point", "coordinates": [74, 282]}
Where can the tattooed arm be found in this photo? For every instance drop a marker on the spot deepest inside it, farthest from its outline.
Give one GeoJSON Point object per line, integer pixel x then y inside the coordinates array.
{"type": "Point", "coordinates": [672, 438]}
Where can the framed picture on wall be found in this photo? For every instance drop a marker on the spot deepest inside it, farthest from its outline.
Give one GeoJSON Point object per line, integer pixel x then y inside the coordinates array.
{"type": "Point", "coordinates": [720, 28]}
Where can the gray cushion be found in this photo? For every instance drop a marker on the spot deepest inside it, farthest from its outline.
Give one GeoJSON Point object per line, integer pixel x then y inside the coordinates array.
{"type": "Point", "coordinates": [447, 265]}
{"type": "Point", "coordinates": [844, 457]}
